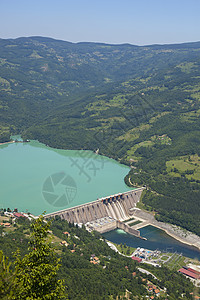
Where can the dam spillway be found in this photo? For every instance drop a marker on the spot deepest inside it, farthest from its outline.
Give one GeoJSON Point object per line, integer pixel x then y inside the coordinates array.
{"type": "Point", "coordinates": [118, 207]}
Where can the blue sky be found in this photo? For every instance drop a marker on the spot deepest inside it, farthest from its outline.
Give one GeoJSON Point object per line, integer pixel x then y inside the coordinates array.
{"type": "Point", "coordinates": [138, 22]}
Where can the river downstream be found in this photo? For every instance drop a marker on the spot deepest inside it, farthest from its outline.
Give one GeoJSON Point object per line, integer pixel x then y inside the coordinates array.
{"type": "Point", "coordinates": [156, 239]}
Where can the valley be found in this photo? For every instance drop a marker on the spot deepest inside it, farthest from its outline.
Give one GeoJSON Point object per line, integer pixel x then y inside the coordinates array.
{"type": "Point", "coordinates": [103, 119]}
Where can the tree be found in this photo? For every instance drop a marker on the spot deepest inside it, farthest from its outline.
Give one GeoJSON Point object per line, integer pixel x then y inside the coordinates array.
{"type": "Point", "coordinates": [36, 273]}
{"type": "Point", "coordinates": [6, 278]}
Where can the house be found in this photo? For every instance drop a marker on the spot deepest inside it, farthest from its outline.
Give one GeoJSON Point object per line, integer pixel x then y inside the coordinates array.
{"type": "Point", "coordinates": [7, 224]}
{"type": "Point", "coordinates": [96, 258]}
{"type": "Point", "coordinates": [72, 251]}
{"type": "Point", "coordinates": [157, 292]}
{"type": "Point", "coordinates": [64, 243]}
{"type": "Point", "coordinates": [18, 215]}
{"type": "Point", "coordinates": [138, 259]}
{"type": "Point", "coordinates": [67, 233]}
{"type": "Point", "coordinates": [94, 262]}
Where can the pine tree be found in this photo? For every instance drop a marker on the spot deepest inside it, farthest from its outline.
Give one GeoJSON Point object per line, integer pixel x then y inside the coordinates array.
{"type": "Point", "coordinates": [36, 272]}
{"type": "Point", "coordinates": [6, 278]}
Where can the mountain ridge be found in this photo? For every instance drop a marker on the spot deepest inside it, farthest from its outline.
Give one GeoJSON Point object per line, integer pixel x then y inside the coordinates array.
{"type": "Point", "coordinates": [197, 43]}
{"type": "Point", "coordinates": [138, 105]}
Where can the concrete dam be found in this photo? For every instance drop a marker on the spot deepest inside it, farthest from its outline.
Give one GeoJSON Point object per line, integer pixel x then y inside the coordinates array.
{"type": "Point", "coordinates": [109, 212]}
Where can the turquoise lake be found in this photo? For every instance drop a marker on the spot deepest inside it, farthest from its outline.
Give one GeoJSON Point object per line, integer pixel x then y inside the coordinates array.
{"type": "Point", "coordinates": [37, 178]}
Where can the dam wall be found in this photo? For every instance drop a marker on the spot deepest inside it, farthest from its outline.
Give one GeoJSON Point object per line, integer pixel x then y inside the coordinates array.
{"type": "Point", "coordinates": [117, 224]}
{"type": "Point", "coordinates": [108, 227]}
{"type": "Point", "coordinates": [128, 228]}
{"type": "Point", "coordinates": [117, 206]}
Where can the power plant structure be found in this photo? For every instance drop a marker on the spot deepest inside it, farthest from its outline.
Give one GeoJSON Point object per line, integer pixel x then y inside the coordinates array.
{"type": "Point", "coordinates": [104, 214]}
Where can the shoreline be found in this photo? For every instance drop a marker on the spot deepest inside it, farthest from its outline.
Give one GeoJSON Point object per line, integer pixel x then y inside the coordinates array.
{"type": "Point", "coordinates": [190, 238]}
{"type": "Point", "coordinates": [176, 237]}
{"type": "Point", "coordinates": [7, 143]}
{"type": "Point", "coordinates": [178, 233]}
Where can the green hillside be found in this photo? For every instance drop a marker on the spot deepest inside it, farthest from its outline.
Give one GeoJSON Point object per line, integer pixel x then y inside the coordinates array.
{"type": "Point", "coordinates": [112, 276]}
{"type": "Point", "coordinates": [139, 105]}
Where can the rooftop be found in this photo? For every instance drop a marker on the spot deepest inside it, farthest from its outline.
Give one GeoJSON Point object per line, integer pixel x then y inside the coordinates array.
{"type": "Point", "coordinates": [189, 273]}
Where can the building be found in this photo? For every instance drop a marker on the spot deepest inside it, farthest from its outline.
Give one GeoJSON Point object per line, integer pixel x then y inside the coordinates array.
{"type": "Point", "coordinates": [94, 259]}
{"type": "Point", "coordinates": [138, 259]}
{"type": "Point", "coordinates": [157, 292]}
{"type": "Point", "coordinates": [67, 233]}
{"type": "Point", "coordinates": [64, 243]}
{"type": "Point", "coordinates": [18, 215]}
{"type": "Point", "coordinates": [190, 272]}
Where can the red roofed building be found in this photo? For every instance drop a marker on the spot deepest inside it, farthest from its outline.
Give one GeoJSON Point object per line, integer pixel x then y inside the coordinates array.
{"type": "Point", "coordinates": [138, 259]}
{"type": "Point", "coordinates": [18, 215]}
{"type": "Point", "coordinates": [193, 271]}
{"type": "Point", "coordinates": [190, 273]}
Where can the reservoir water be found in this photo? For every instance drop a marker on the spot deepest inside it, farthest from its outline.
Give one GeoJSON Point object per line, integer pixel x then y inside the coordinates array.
{"type": "Point", "coordinates": [156, 239]}
{"type": "Point", "coordinates": [37, 178]}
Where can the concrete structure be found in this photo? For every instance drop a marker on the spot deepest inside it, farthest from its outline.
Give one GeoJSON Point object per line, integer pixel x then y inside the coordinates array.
{"type": "Point", "coordinates": [128, 229]}
{"type": "Point", "coordinates": [190, 272]}
{"type": "Point", "coordinates": [116, 208]}
{"type": "Point", "coordinates": [102, 225]}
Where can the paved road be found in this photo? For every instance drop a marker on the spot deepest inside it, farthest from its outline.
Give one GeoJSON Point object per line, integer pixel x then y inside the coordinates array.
{"type": "Point", "coordinates": [147, 272]}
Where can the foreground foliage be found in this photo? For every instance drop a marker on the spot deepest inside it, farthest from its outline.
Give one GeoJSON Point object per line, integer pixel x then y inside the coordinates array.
{"type": "Point", "coordinates": [6, 278]}
{"type": "Point", "coordinates": [35, 274]}
{"type": "Point", "coordinates": [111, 277]}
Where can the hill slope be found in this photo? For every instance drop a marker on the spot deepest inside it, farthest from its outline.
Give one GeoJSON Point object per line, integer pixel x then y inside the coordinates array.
{"type": "Point", "coordinates": [139, 105]}
{"type": "Point", "coordinates": [110, 277]}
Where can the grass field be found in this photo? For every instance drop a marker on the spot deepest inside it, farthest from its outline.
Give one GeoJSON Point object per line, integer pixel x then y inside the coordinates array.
{"type": "Point", "coordinates": [191, 116]}
{"type": "Point", "coordinates": [176, 262]}
{"type": "Point", "coordinates": [184, 166]}
{"type": "Point", "coordinates": [130, 153]}
{"type": "Point", "coordinates": [3, 129]}
{"type": "Point", "coordinates": [163, 139]}
{"type": "Point", "coordinates": [164, 257]}
{"type": "Point", "coordinates": [125, 249]}
{"type": "Point", "coordinates": [134, 133]}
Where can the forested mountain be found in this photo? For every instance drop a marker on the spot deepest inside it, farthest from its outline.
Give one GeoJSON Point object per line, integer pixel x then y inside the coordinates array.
{"type": "Point", "coordinates": [139, 105]}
